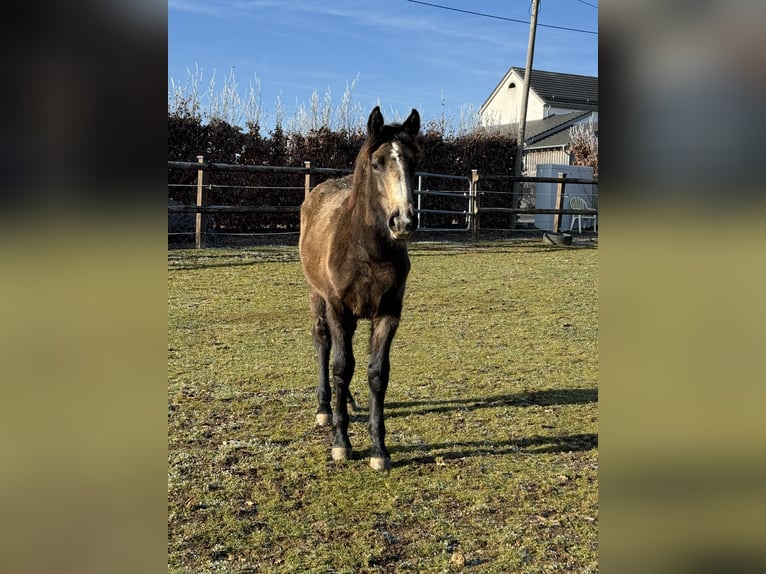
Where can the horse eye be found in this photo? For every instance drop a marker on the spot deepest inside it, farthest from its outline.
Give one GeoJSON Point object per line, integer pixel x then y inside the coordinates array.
{"type": "Point", "coordinates": [376, 166]}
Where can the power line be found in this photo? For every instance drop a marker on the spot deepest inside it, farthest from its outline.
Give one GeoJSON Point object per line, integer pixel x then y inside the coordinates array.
{"type": "Point", "coordinates": [588, 4]}
{"type": "Point", "coordinates": [501, 17]}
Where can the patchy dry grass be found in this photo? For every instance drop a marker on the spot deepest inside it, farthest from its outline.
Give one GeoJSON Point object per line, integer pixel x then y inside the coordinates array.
{"type": "Point", "coordinates": [491, 416]}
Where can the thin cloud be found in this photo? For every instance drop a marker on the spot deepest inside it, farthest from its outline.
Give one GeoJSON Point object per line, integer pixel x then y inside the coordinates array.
{"type": "Point", "coordinates": [359, 13]}
{"type": "Point", "coordinates": [205, 8]}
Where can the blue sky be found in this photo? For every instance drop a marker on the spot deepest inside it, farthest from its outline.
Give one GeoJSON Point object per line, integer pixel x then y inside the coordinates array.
{"type": "Point", "coordinates": [402, 54]}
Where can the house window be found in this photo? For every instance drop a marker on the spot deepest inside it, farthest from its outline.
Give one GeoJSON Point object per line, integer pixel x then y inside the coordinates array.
{"type": "Point", "coordinates": [511, 85]}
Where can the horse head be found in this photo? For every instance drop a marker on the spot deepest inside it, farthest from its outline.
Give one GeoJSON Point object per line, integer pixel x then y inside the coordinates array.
{"type": "Point", "coordinates": [393, 160]}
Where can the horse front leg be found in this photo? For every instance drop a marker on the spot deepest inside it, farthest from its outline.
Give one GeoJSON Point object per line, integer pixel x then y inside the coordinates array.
{"type": "Point", "coordinates": [342, 332]}
{"type": "Point", "coordinates": [383, 331]}
{"type": "Point", "coordinates": [322, 346]}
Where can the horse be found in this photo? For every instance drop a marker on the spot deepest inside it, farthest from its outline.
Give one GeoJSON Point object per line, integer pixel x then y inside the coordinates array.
{"type": "Point", "coordinates": [353, 252]}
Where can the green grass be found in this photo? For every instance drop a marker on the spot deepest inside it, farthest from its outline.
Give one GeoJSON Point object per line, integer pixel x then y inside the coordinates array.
{"type": "Point", "coordinates": [491, 416]}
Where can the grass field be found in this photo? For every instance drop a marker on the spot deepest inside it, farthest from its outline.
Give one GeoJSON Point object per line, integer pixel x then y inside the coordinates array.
{"type": "Point", "coordinates": [491, 416]}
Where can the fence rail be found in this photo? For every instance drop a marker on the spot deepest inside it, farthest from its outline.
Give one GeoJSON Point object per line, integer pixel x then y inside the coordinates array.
{"type": "Point", "coordinates": [472, 194]}
{"type": "Point", "coordinates": [234, 208]}
{"type": "Point", "coordinates": [211, 166]}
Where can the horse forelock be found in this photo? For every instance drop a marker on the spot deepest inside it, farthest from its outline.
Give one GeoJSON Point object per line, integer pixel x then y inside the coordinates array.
{"type": "Point", "coordinates": [390, 133]}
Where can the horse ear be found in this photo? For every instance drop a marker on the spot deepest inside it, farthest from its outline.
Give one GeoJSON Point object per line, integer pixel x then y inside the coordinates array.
{"type": "Point", "coordinates": [375, 122]}
{"type": "Point", "coordinates": [412, 124]}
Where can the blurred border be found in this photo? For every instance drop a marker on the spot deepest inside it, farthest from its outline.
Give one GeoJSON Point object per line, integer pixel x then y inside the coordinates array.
{"type": "Point", "coordinates": [681, 297]}
{"type": "Point", "coordinates": [83, 246]}
{"type": "Point", "coordinates": [84, 301]}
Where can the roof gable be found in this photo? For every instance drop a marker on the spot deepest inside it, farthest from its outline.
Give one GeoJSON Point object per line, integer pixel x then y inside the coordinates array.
{"type": "Point", "coordinates": [556, 89]}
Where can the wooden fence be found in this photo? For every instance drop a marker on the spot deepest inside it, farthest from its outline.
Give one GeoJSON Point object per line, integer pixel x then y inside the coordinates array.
{"type": "Point", "coordinates": [473, 195]}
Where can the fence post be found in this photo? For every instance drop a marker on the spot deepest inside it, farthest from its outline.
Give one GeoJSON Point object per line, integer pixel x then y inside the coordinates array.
{"type": "Point", "coordinates": [420, 198]}
{"type": "Point", "coordinates": [474, 203]}
{"type": "Point", "coordinates": [309, 181]}
{"type": "Point", "coordinates": [560, 194]}
{"type": "Point", "coordinates": [200, 224]}
{"type": "Point", "coordinates": [516, 190]}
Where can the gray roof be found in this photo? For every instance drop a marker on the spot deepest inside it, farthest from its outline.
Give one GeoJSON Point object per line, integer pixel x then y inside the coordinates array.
{"type": "Point", "coordinates": [557, 139]}
{"type": "Point", "coordinates": [564, 90]}
{"type": "Point", "coordinates": [546, 132]}
{"type": "Point", "coordinates": [559, 90]}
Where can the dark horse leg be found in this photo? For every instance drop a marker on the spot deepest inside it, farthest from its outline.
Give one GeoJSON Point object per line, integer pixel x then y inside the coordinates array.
{"type": "Point", "coordinates": [322, 346]}
{"type": "Point", "coordinates": [341, 327]}
{"type": "Point", "coordinates": [382, 334]}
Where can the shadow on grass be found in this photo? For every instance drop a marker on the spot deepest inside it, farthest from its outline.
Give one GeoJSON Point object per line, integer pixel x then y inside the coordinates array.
{"type": "Point", "coordinates": [543, 247]}
{"type": "Point", "coordinates": [546, 397]}
{"type": "Point", "coordinates": [428, 453]}
{"type": "Point", "coordinates": [187, 259]}
{"type": "Point", "coordinates": [524, 244]}
{"type": "Point", "coordinates": [206, 259]}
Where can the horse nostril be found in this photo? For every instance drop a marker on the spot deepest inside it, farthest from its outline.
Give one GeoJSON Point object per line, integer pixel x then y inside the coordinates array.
{"type": "Point", "coordinates": [392, 220]}
{"type": "Point", "coordinates": [410, 219]}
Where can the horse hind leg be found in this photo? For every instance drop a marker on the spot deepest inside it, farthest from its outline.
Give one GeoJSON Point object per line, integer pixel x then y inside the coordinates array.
{"type": "Point", "coordinates": [342, 332]}
{"type": "Point", "coordinates": [352, 405]}
{"type": "Point", "coordinates": [322, 346]}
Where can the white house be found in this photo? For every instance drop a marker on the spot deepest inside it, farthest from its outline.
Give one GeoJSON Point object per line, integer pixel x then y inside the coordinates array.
{"type": "Point", "coordinates": [550, 93]}
{"type": "Point", "coordinates": [556, 102]}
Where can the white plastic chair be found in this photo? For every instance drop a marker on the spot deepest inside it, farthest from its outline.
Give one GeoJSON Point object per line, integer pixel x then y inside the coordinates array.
{"type": "Point", "coordinates": [578, 202]}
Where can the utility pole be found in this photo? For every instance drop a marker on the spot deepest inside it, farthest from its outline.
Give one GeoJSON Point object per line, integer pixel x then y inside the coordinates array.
{"type": "Point", "coordinates": [524, 102]}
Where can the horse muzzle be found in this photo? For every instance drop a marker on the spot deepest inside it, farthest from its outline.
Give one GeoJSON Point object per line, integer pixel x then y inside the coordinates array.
{"type": "Point", "coordinates": [401, 224]}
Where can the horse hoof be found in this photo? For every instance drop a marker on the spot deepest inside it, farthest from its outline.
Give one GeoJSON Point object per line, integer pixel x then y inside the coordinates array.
{"type": "Point", "coordinates": [341, 453]}
{"type": "Point", "coordinates": [324, 420]}
{"type": "Point", "coordinates": [380, 463]}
